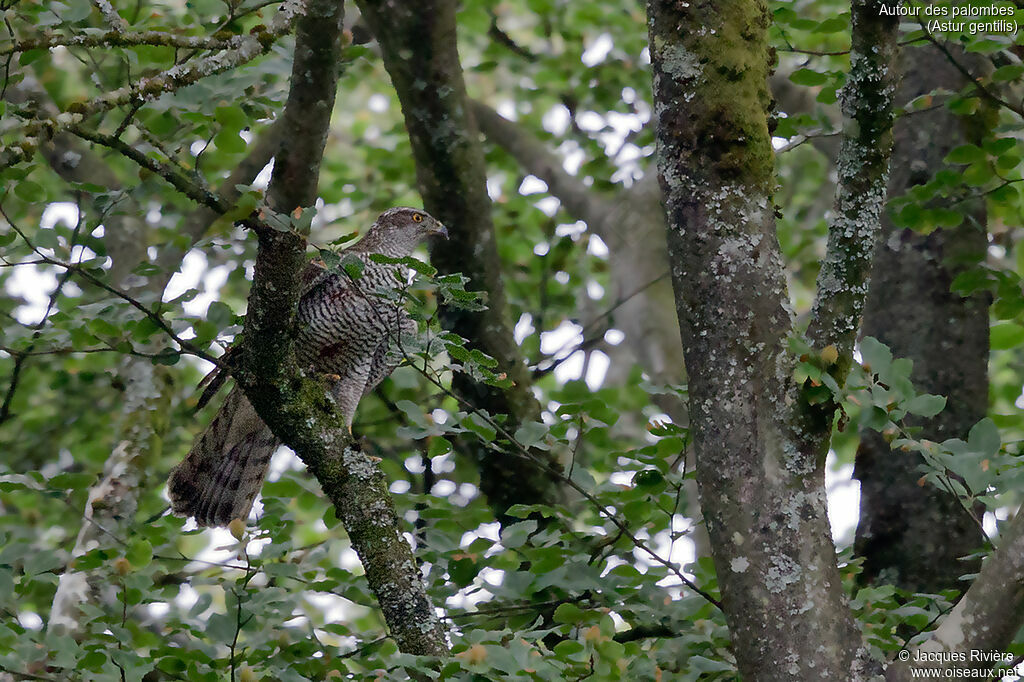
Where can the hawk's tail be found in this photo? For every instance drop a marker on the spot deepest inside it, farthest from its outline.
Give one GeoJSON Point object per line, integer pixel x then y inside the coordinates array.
{"type": "Point", "coordinates": [221, 475]}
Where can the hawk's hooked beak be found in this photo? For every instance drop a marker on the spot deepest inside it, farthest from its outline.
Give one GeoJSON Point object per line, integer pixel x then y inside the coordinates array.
{"type": "Point", "coordinates": [440, 230]}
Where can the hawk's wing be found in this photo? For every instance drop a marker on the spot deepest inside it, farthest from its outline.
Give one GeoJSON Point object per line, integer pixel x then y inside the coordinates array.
{"type": "Point", "coordinates": [314, 274]}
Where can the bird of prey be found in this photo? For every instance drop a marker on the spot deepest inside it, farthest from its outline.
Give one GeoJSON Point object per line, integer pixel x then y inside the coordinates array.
{"type": "Point", "coordinates": [344, 327]}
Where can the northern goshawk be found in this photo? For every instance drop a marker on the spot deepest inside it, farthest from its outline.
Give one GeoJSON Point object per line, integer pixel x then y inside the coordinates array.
{"type": "Point", "coordinates": [344, 327]}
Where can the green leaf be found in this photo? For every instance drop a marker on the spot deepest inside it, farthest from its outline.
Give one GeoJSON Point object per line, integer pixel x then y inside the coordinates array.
{"type": "Point", "coordinates": [1001, 145]}
{"type": "Point", "coordinates": [648, 478]}
{"type": "Point", "coordinates": [702, 664]}
{"type": "Point", "coordinates": [833, 24]}
{"type": "Point", "coordinates": [220, 314]}
{"type": "Point", "coordinates": [1010, 72]}
{"type": "Point", "coordinates": [966, 153]}
{"type": "Point", "coordinates": [925, 405]}
{"type": "Point", "coordinates": [29, 191]}
{"type": "Point", "coordinates": [245, 205]}
{"type": "Point", "coordinates": [330, 258]}
{"type": "Point", "coordinates": [568, 648]}
{"type": "Point", "coordinates": [984, 438]}
{"type": "Point", "coordinates": [231, 117]}
{"type": "Point", "coordinates": [139, 553]}
{"type": "Point", "coordinates": [438, 446]}
{"type": "Point", "coordinates": [353, 265]}
{"type": "Point", "coordinates": [970, 281]}
{"type": "Point", "coordinates": [463, 571]}
{"type": "Point", "coordinates": [517, 534]}
{"type": "Point", "coordinates": [1006, 335]}
{"type": "Point", "coordinates": [229, 141]}
{"type": "Point", "coordinates": [45, 239]}
{"type": "Point", "coordinates": [978, 174]}
{"type": "Point", "coordinates": [808, 77]}
{"type": "Point", "coordinates": [479, 426]}
{"type": "Point", "coordinates": [876, 355]}
{"type": "Point", "coordinates": [419, 266]}
{"type": "Point", "coordinates": [531, 434]}
{"type": "Point", "coordinates": [69, 481]}
{"type": "Point", "coordinates": [568, 613]}
{"type": "Point", "coordinates": [964, 106]}
{"type": "Point", "coordinates": [167, 356]}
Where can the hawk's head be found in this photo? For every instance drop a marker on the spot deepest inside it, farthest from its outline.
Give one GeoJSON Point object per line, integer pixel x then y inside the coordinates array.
{"type": "Point", "coordinates": [399, 230]}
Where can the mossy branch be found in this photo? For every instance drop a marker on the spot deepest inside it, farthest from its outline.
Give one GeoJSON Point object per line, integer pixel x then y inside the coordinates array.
{"type": "Point", "coordinates": [297, 409]}
{"type": "Point", "coordinates": [129, 39]}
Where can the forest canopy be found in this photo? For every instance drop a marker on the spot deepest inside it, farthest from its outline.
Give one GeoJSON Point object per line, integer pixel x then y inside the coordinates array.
{"type": "Point", "coordinates": [718, 374]}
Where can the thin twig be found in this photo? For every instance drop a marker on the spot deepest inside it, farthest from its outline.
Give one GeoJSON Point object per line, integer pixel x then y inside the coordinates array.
{"type": "Point", "coordinates": [540, 371]}
{"type": "Point", "coordinates": [178, 76]}
{"type": "Point", "coordinates": [971, 78]}
{"type": "Point", "coordinates": [92, 279]}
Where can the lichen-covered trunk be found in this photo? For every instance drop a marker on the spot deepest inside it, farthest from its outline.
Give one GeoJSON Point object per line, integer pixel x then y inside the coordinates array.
{"type": "Point", "coordinates": [760, 451]}
{"type": "Point", "coordinates": [113, 501]}
{"type": "Point", "coordinates": [910, 535]}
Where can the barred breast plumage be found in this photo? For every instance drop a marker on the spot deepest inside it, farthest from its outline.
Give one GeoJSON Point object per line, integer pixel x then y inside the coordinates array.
{"type": "Point", "coordinates": [345, 326]}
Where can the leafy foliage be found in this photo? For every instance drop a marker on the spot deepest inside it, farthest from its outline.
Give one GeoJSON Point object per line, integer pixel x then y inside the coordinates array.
{"type": "Point", "coordinates": [588, 589]}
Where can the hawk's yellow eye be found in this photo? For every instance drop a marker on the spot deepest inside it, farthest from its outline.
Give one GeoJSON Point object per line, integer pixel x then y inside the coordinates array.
{"type": "Point", "coordinates": [417, 217]}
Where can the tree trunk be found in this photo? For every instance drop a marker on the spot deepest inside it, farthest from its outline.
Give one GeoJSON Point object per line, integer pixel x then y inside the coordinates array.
{"type": "Point", "coordinates": [910, 535]}
{"type": "Point", "coordinates": [760, 445]}
{"type": "Point", "coordinates": [418, 42]}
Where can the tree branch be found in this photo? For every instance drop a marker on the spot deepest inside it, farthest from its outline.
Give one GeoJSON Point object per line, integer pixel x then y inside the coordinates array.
{"type": "Point", "coordinates": [297, 409]}
{"type": "Point", "coordinates": [127, 39]}
{"type": "Point", "coordinates": [763, 501]}
{"type": "Point", "coordinates": [986, 619]}
{"type": "Point", "coordinates": [92, 279]}
{"type": "Point", "coordinates": [968, 76]}
{"type": "Point", "coordinates": [863, 169]}
{"type": "Point", "coordinates": [110, 15]}
{"type": "Point", "coordinates": [579, 200]}
{"type": "Point", "coordinates": [199, 221]}
{"type": "Point", "coordinates": [179, 76]}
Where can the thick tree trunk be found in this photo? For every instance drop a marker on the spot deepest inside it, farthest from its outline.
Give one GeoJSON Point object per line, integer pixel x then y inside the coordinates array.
{"type": "Point", "coordinates": [418, 42]}
{"type": "Point", "coordinates": [910, 535]}
{"type": "Point", "coordinates": [760, 446]}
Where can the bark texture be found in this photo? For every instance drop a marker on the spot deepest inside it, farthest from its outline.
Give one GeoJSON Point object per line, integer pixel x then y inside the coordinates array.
{"type": "Point", "coordinates": [760, 447]}
{"type": "Point", "coordinates": [418, 43]}
{"type": "Point", "coordinates": [910, 535]}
